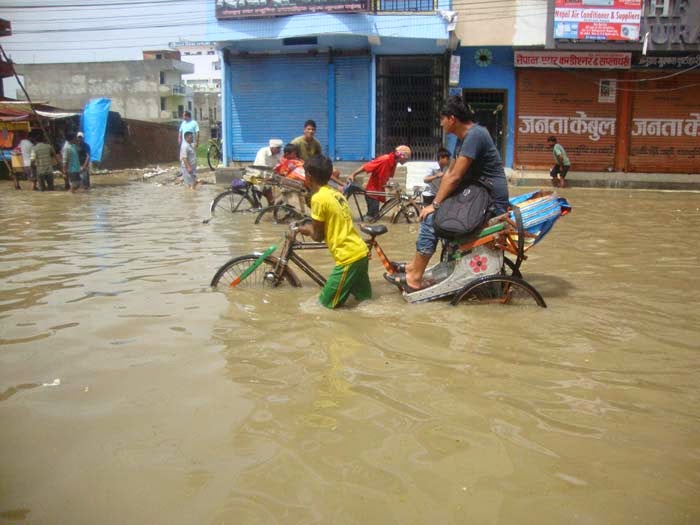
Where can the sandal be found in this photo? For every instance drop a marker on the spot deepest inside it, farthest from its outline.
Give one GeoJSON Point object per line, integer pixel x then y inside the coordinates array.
{"type": "Point", "coordinates": [399, 279]}
{"type": "Point", "coordinates": [399, 267]}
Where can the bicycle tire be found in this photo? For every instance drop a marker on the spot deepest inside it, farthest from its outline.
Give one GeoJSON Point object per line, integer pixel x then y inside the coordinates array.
{"type": "Point", "coordinates": [384, 210]}
{"type": "Point", "coordinates": [499, 289]}
{"type": "Point", "coordinates": [213, 157]}
{"type": "Point", "coordinates": [260, 278]}
{"type": "Point", "coordinates": [281, 214]}
{"type": "Point", "coordinates": [410, 212]}
{"type": "Point", "coordinates": [232, 201]}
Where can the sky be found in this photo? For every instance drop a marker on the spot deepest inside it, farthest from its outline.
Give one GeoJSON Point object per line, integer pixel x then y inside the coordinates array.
{"type": "Point", "coordinates": [99, 30]}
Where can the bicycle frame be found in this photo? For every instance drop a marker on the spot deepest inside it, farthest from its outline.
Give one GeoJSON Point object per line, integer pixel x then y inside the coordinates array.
{"type": "Point", "coordinates": [292, 245]}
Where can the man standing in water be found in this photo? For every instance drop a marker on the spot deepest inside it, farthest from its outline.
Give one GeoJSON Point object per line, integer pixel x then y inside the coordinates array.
{"type": "Point", "coordinates": [188, 124]}
{"type": "Point", "coordinates": [188, 162]}
{"type": "Point", "coordinates": [84, 159]}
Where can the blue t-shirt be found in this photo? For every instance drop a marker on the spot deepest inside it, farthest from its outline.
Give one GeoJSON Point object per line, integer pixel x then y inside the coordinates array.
{"type": "Point", "coordinates": [190, 125]}
{"type": "Point", "coordinates": [486, 162]}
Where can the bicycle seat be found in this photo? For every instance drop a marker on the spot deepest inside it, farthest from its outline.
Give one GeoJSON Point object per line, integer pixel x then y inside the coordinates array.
{"type": "Point", "coordinates": [373, 229]}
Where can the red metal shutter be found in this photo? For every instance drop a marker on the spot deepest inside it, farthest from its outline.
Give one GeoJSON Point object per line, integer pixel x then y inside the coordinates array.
{"type": "Point", "coordinates": [571, 106]}
{"type": "Point", "coordinates": [665, 130]}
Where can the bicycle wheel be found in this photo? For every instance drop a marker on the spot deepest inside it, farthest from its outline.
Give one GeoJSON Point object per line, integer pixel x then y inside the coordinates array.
{"type": "Point", "coordinates": [232, 201]}
{"type": "Point", "coordinates": [499, 289]}
{"type": "Point", "coordinates": [262, 277]}
{"type": "Point", "coordinates": [280, 213]}
{"type": "Point", "coordinates": [213, 157]}
{"type": "Point", "coordinates": [408, 212]}
{"type": "Point", "coordinates": [384, 209]}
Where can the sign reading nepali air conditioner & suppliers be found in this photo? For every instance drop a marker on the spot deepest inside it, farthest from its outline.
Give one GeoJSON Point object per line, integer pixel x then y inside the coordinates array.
{"type": "Point", "coordinates": [266, 8]}
{"type": "Point", "coordinates": [597, 19]}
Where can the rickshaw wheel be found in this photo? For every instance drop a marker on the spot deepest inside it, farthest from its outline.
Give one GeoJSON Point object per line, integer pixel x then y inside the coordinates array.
{"type": "Point", "coordinates": [499, 289]}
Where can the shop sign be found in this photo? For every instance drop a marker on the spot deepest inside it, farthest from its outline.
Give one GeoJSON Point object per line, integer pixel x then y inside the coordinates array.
{"type": "Point", "coordinates": [581, 60]}
{"type": "Point", "coordinates": [455, 63]}
{"type": "Point", "coordinates": [596, 127]}
{"type": "Point", "coordinates": [597, 19]}
{"type": "Point", "coordinates": [266, 8]}
{"type": "Point", "coordinates": [670, 62]}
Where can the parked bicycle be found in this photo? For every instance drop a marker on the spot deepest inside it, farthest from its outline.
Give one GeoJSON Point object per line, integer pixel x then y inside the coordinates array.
{"type": "Point", "coordinates": [215, 154]}
{"type": "Point", "coordinates": [399, 205]}
{"type": "Point", "coordinates": [245, 195]}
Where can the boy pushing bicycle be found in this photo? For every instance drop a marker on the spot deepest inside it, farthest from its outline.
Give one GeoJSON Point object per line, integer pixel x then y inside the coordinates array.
{"type": "Point", "coordinates": [332, 223]}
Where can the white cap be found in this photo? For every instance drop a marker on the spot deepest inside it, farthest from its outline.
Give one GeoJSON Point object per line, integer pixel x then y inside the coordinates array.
{"type": "Point", "coordinates": [276, 143]}
{"type": "Point", "coordinates": [80, 134]}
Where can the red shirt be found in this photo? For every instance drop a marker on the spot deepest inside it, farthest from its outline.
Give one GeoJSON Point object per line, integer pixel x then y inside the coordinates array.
{"type": "Point", "coordinates": [381, 170]}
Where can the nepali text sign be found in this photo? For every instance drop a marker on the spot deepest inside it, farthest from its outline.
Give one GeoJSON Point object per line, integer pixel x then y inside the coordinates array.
{"type": "Point", "coordinates": [597, 19]}
{"type": "Point", "coordinates": [264, 8]}
{"type": "Point", "coordinates": [596, 127]}
{"type": "Point", "coordinates": [581, 60]}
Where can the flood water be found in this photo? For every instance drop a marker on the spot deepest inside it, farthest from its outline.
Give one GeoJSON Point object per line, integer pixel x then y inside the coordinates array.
{"type": "Point", "coordinates": [167, 402]}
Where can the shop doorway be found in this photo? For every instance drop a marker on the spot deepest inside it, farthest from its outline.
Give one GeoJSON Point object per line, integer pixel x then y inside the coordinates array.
{"type": "Point", "coordinates": [489, 105]}
{"type": "Point", "coordinates": [410, 91]}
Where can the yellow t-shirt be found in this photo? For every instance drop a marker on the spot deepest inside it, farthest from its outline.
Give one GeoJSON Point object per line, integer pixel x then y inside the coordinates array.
{"type": "Point", "coordinates": [345, 244]}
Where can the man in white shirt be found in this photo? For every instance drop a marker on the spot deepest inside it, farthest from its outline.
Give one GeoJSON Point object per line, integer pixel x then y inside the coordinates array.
{"type": "Point", "coordinates": [269, 156]}
{"type": "Point", "coordinates": [25, 146]}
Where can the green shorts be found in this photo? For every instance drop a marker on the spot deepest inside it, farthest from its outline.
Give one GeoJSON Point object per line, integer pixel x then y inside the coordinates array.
{"type": "Point", "coordinates": [344, 280]}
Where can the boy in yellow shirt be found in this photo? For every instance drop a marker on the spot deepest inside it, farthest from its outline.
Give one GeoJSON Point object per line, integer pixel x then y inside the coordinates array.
{"type": "Point", "coordinates": [332, 223]}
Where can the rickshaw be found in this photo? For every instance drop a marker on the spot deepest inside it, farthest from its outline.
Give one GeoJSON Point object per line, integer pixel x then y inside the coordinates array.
{"type": "Point", "coordinates": [482, 268]}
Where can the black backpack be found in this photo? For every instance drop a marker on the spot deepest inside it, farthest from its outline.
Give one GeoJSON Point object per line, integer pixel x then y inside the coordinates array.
{"type": "Point", "coordinates": [465, 211]}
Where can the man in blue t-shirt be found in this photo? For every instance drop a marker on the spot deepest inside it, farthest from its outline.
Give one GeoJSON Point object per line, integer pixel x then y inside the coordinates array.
{"type": "Point", "coordinates": [475, 156]}
{"type": "Point", "coordinates": [188, 124]}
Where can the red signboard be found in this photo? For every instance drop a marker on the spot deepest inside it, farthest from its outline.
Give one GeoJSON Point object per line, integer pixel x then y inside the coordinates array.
{"type": "Point", "coordinates": [597, 19]}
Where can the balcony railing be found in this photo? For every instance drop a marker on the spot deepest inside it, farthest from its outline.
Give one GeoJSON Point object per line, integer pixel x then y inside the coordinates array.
{"type": "Point", "coordinates": [179, 89]}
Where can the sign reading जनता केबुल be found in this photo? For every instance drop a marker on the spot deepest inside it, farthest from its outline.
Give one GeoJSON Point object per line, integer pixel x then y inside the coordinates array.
{"type": "Point", "coordinates": [597, 19]}
{"type": "Point", "coordinates": [266, 8]}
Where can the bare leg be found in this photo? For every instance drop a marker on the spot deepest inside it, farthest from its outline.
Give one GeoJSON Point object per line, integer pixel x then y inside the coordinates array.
{"type": "Point", "coordinates": [16, 177]}
{"type": "Point", "coordinates": [415, 270]}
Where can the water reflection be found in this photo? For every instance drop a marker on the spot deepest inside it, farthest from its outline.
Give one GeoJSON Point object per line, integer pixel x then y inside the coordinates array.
{"type": "Point", "coordinates": [263, 407]}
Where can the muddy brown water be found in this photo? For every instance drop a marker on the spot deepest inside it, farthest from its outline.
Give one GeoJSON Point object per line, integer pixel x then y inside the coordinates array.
{"type": "Point", "coordinates": [178, 404]}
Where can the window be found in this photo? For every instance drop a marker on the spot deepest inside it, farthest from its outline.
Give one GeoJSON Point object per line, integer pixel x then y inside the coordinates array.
{"type": "Point", "coordinates": [216, 66]}
{"type": "Point", "coordinates": [163, 104]}
{"type": "Point", "coordinates": [162, 77]}
{"type": "Point", "coordinates": [211, 52]}
{"type": "Point", "coordinates": [189, 105]}
{"type": "Point", "coordinates": [159, 56]}
{"type": "Point", "coordinates": [180, 110]}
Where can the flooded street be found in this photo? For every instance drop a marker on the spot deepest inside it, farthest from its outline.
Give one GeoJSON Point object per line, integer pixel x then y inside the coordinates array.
{"type": "Point", "coordinates": [130, 392]}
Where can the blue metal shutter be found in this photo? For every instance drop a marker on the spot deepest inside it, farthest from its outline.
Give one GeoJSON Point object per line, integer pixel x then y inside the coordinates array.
{"type": "Point", "coordinates": [352, 137]}
{"type": "Point", "coordinates": [272, 97]}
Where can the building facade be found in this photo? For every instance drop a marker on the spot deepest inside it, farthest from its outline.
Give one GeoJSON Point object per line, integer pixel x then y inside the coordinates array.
{"type": "Point", "coordinates": [371, 75]}
{"type": "Point", "coordinates": [154, 90]}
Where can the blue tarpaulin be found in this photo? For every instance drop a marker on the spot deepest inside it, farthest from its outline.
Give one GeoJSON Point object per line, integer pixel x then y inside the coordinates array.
{"type": "Point", "coordinates": [94, 125]}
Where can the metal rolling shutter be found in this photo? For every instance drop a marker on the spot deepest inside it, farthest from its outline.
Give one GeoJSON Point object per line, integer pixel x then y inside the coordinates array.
{"type": "Point", "coordinates": [565, 104]}
{"type": "Point", "coordinates": [665, 128]}
{"type": "Point", "coordinates": [272, 97]}
{"type": "Point", "coordinates": [352, 124]}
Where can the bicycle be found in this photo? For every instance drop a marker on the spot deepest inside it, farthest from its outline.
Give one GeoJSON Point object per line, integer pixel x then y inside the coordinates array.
{"type": "Point", "coordinates": [214, 153]}
{"type": "Point", "coordinates": [458, 276]}
{"type": "Point", "coordinates": [408, 205]}
{"type": "Point", "coordinates": [245, 196]}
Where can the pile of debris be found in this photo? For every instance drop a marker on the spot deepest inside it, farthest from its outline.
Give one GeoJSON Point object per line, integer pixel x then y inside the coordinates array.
{"type": "Point", "coordinates": [171, 175]}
